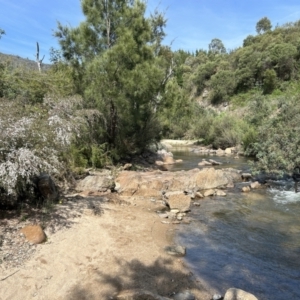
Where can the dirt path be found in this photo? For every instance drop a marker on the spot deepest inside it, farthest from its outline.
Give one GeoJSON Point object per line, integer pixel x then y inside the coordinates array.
{"type": "Point", "coordinates": [118, 248]}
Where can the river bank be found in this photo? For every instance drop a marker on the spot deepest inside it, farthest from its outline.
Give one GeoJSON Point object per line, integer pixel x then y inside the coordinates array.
{"type": "Point", "coordinates": [110, 246]}
{"type": "Point", "coordinates": [100, 245]}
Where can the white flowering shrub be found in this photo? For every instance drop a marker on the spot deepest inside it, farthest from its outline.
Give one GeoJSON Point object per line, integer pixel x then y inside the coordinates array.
{"type": "Point", "coordinates": [33, 138]}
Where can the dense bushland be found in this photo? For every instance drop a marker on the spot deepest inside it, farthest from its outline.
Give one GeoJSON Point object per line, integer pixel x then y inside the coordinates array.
{"type": "Point", "coordinates": [113, 88]}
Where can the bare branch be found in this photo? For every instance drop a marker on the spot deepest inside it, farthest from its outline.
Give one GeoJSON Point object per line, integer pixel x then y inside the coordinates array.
{"type": "Point", "coordinates": [38, 60]}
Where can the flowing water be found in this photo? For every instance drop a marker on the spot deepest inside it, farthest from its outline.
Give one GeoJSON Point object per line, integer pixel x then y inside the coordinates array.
{"type": "Point", "coordinates": [249, 241]}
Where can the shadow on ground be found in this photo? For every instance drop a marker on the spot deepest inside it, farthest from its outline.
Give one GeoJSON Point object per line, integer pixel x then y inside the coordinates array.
{"type": "Point", "coordinates": [160, 278]}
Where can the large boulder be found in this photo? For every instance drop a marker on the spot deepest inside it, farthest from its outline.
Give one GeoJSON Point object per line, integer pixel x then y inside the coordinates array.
{"type": "Point", "coordinates": [96, 182]}
{"type": "Point", "coordinates": [153, 184]}
{"type": "Point", "coordinates": [142, 184]}
{"type": "Point", "coordinates": [237, 294]}
{"type": "Point", "coordinates": [210, 178]}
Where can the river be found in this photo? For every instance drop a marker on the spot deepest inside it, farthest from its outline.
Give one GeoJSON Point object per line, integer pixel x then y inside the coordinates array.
{"type": "Point", "coordinates": [249, 241]}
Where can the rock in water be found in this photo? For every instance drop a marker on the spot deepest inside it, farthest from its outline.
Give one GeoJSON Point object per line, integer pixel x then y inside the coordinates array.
{"type": "Point", "coordinates": [176, 250]}
{"type": "Point", "coordinates": [237, 294]}
{"type": "Point", "coordinates": [138, 294]}
{"type": "Point", "coordinates": [186, 295]}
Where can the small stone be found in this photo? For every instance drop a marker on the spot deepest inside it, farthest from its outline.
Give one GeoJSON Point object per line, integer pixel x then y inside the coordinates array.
{"type": "Point", "coordinates": [198, 195]}
{"type": "Point", "coordinates": [214, 163]}
{"type": "Point", "coordinates": [220, 193]}
{"type": "Point", "coordinates": [163, 215]}
{"type": "Point", "coordinates": [209, 193]}
{"type": "Point", "coordinates": [255, 185]}
{"type": "Point", "coordinates": [186, 295]}
{"type": "Point", "coordinates": [217, 297]}
{"type": "Point", "coordinates": [176, 222]}
{"type": "Point", "coordinates": [246, 176]}
{"type": "Point", "coordinates": [138, 294]}
{"type": "Point", "coordinates": [246, 189]}
{"type": "Point", "coordinates": [176, 250]}
{"type": "Point", "coordinates": [179, 217]}
{"type": "Point", "coordinates": [204, 163]}
{"type": "Point", "coordinates": [196, 204]}
{"type": "Point", "coordinates": [165, 222]}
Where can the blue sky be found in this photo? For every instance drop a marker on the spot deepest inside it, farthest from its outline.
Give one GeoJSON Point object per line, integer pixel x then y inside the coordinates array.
{"type": "Point", "coordinates": [191, 25]}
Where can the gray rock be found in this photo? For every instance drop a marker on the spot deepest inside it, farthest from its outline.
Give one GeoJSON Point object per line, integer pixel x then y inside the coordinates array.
{"type": "Point", "coordinates": [209, 192]}
{"type": "Point", "coordinates": [97, 182]}
{"type": "Point", "coordinates": [237, 294]}
{"type": "Point", "coordinates": [246, 176]}
{"type": "Point", "coordinates": [217, 297]}
{"type": "Point", "coordinates": [214, 162]}
{"type": "Point", "coordinates": [186, 295]}
{"type": "Point", "coordinates": [163, 215]}
{"type": "Point", "coordinates": [138, 295]}
{"type": "Point", "coordinates": [220, 193]}
{"type": "Point", "coordinates": [176, 250]}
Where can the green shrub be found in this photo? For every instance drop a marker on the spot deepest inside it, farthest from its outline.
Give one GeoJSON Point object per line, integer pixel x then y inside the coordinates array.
{"type": "Point", "coordinates": [226, 131]}
{"type": "Point", "coordinates": [100, 156]}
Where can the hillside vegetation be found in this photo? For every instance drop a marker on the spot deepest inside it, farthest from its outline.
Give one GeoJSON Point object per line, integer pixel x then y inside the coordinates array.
{"type": "Point", "coordinates": [114, 88]}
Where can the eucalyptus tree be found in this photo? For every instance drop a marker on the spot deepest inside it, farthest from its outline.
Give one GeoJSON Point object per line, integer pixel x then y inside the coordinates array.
{"type": "Point", "coordinates": [216, 46]}
{"type": "Point", "coordinates": [263, 25]}
{"type": "Point", "coordinates": [121, 68]}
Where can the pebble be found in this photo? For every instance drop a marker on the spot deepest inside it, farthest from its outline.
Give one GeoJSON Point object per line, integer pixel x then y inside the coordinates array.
{"type": "Point", "coordinates": [163, 215]}
{"type": "Point", "coordinates": [165, 222]}
{"type": "Point", "coordinates": [176, 250]}
{"type": "Point", "coordinates": [184, 296]}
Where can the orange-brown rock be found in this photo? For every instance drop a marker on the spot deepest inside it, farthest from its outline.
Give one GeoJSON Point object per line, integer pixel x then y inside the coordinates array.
{"type": "Point", "coordinates": [179, 201]}
{"type": "Point", "coordinates": [255, 185]}
{"type": "Point", "coordinates": [152, 184]}
{"type": "Point", "coordinates": [220, 193]}
{"type": "Point", "coordinates": [209, 192]}
{"type": "Point", "coordinates": [210, 178]}
{"type": "Point", "coordinates": [246, 189]}
{"type": "Point", "coordinates": [169, 160]}
{"type": "Point", "coordinates": [34, 234]}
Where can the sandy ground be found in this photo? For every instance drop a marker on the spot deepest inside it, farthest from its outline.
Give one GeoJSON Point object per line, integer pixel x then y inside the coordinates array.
{"type": "Point", "coordinates": [120, 247]}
